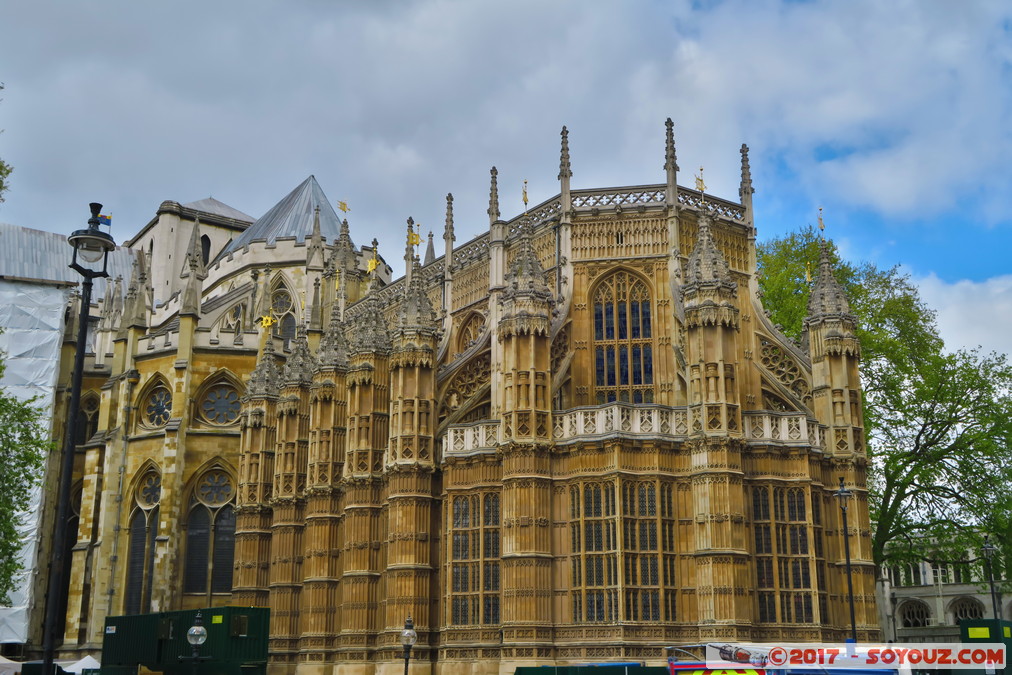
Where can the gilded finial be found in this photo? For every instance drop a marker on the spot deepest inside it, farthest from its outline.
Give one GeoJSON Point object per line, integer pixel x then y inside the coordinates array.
{"type": "Point", "coordinates": [414, 239]}
{"type": "Point", "coordinates": [267, 320]}
{"type": "Point", "coordinates": [343, 207]}
{"type": "Point", "coordinates": [374, 261]}
{"type": "Point", "coordinates": [808, 271]}
{"type": "Point", "coordinates": [700, 185]}
{"type": "Point", "coordinates": [525, 197]}
{"type": "Point", "coordinates": [822, 225]}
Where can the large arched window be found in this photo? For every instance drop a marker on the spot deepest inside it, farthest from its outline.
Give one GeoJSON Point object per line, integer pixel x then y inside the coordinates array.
{"type": "Point", "coordinates": [623, 345]}
{"type": "Point", "coordinates": [914, 614]}
{"type": "Point", "coordinates": [210, 535]}
{"type": "Point", "coordinates": [143, 529]}
{"type": "Point", "coordinates": [475, 558]}
{"type": "Point", "coordinates": [966, 609]}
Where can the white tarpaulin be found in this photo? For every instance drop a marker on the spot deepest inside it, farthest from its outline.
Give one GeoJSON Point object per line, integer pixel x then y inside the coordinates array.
{"type": "Point", "coordinates": [31, 316]}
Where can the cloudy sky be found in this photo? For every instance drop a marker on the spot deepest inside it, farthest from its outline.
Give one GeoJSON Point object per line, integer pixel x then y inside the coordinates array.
{"type": "Point", "coordinates": [894, 116]}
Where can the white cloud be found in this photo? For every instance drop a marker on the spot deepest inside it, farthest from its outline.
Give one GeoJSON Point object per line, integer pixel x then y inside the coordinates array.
{"type": "Point", "coordinates": [972, 314]}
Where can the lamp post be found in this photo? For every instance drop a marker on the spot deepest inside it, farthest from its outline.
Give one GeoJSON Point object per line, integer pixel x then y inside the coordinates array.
{"type": "Point", "coordinates": [844, 495]}
{"type": "Point", "coordinates": [408, 638]}
{"type": "Point", "coordinates": [196, 636]}
{"type": "Point", "coordinates": [92, 246]}
{"type": "Point", "coordinates": [989, 549]}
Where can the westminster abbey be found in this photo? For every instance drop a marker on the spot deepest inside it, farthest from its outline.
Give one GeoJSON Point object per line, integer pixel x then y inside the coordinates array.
{"type": "Point", "coordinates": [574, 438]}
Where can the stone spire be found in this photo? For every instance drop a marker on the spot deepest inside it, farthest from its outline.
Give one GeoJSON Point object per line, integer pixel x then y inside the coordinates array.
{"type": "Point", "coordinates": [368, 328]}
{"type": "Point", "coordinates": [300, 365]}
{"type": "Point", "coordinates": [430, 251]}
{"type": "Point", "coordinates": [526, 276]}
{"type": "Point", "coordinates": [194, 261]}
{"type": "Point", "coordinates": [334, 345]}
{"type": "Point", "coordinates": [194, 273]}
{"type": "Point", "coordinates": [344, 250]}
{"type": "Point", "coordinates": [416, 311]}
{"type": "Point", "coordinates": [448, 236]}
{"type": "Point", "coordinates": [134, 311]}
{"type": "Point", "coordinates": [265, 380]}
{"type": "Point", "coordinates": [316, 310]}
{"type": "Point", "coordinates": [314, 247]}
{"type": "Point", "coordinates": [670, 161]}
{"type": "Point", "coordinates": [565, 170]}
{"type": "Point", "coordinates": [745, 190]}
{"type": "Point", "coordinates": [707, 265]}
{"type": "Point", "coordinates": [828, 297]}
{"type": "Point", "coordinates": [409, 250]}
{"type": "Point", "coordinates": [493, 198]}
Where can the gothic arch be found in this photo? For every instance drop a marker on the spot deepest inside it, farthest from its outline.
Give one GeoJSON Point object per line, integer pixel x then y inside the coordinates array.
{"type": "Point", "coordinates": [623, 344]}
{"type": "Point", "coordinates": [216, 402]}
{"type": "Point", "coordinates": [472, 327]}
{"type": "Point", "coordinates": [87, 417]}
{"type": "Point", "coordinates": [285, 308]}
{"type": "Point", "coordinates": [208, 530]}
{"type": "Point", "coordinates": [154, 404]}
{"type": "Point", "coordinates": [965, 608]}
{"type": "Point", "coordinates": [914, 614]}
{"type": "Point", "coordinates": [142, 532]}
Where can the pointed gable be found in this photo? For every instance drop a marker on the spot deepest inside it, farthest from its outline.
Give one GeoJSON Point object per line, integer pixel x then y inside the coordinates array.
{"type": "Point", "coordinates": [292, 217]}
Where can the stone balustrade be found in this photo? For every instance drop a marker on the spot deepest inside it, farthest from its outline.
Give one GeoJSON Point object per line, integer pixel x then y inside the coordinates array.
{"type": "Point", "coordinates": [624, 419]}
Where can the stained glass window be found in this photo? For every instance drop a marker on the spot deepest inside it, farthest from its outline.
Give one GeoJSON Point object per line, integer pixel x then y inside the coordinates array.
{"type": "Point", "coordinates": [220, 405]}
{"type": "Point", "coordinates": [157, 407]}
{"type": "Point", "coordinates": [623, 345]}
{"type": "Point", "coordinates": [210, 536]}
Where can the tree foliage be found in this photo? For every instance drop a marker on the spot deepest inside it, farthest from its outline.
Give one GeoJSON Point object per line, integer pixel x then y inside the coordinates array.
{"type": "Point", "coordinates": [938, 423]}
{"type": "Point", "coordinates": [5, 171]}
{"type": "Point", "coordinates": [24, 443]}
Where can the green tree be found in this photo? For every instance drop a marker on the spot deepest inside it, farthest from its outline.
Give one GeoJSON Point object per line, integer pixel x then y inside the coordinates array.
{"type": "Point", "coordinates": [5, 170]}
{"type": "Point", "coordinates": [938, 423]}
{"type": "Point", "coordinates": [24, 443]}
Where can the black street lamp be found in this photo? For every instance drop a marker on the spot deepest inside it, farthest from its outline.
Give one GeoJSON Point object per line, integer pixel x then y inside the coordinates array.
{"type": "Point", "coordinates": [408, 638]}
{"type": "Point", "coordinates": [92, 246]}
{"type": "Point", "coordinates": [844, 495]}
{"type": "Point", "coordinates": [196, 636]}
{"type": "Point", "coordinates": [989, 549]}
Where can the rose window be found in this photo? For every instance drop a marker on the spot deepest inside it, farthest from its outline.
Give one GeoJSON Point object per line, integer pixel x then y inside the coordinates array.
{"type": "Point", "coordinates": [220, 405]}
{"type": "Point", "coordinates": [150, 490]}
{"type": "Point", "coordinates": [158, 407]}
{"type": "Point", "coordinates": [215, 488]}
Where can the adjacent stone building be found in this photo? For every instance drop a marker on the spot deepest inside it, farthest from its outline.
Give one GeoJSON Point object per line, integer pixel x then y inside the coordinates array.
{"type": "Point", "coordinates": [575, 438]}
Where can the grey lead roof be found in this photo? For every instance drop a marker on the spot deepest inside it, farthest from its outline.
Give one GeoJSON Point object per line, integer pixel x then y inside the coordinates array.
{"type": "Point", "coordinates": [292, 217]}
{"type": "Point", "coordinates": [44, 257]}
{"type": "Point", "coordinates": [212, 205]}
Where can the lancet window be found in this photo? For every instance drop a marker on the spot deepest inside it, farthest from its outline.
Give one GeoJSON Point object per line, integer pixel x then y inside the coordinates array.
{"type": "Point", "coordinates": [87, 418]}
{"type": "Point", "coordinates": [475, 554]}
{"type": "Point", "coordinates": [781, 549]}
{"type": "Point", "coordinates": [623, 344]}
{"type": "Point", "coordinates": [595, 547]}
{"type": "Point", "coordinates": [143, 530]}
{"type": "Point", "coordinates": [210, 535]}
{"type": "Point", "coordinates": [641, 551]}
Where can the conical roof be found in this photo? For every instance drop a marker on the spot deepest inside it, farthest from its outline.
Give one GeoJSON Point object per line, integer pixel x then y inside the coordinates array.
{"type": "Point", "coordinates": [828, 296]}
{"type": "Point", "coordinates": [213, 206]}
{"type": "Point", "coordinates": [292, 217]}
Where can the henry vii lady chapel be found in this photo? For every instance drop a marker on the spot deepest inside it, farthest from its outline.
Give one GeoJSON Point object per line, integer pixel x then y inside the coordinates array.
{"type": "Point", "coordinates": [575, 438]}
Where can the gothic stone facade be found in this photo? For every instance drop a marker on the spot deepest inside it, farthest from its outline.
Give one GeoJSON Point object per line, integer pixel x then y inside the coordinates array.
{"type": "Point", "coordinates": [576, 437]}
